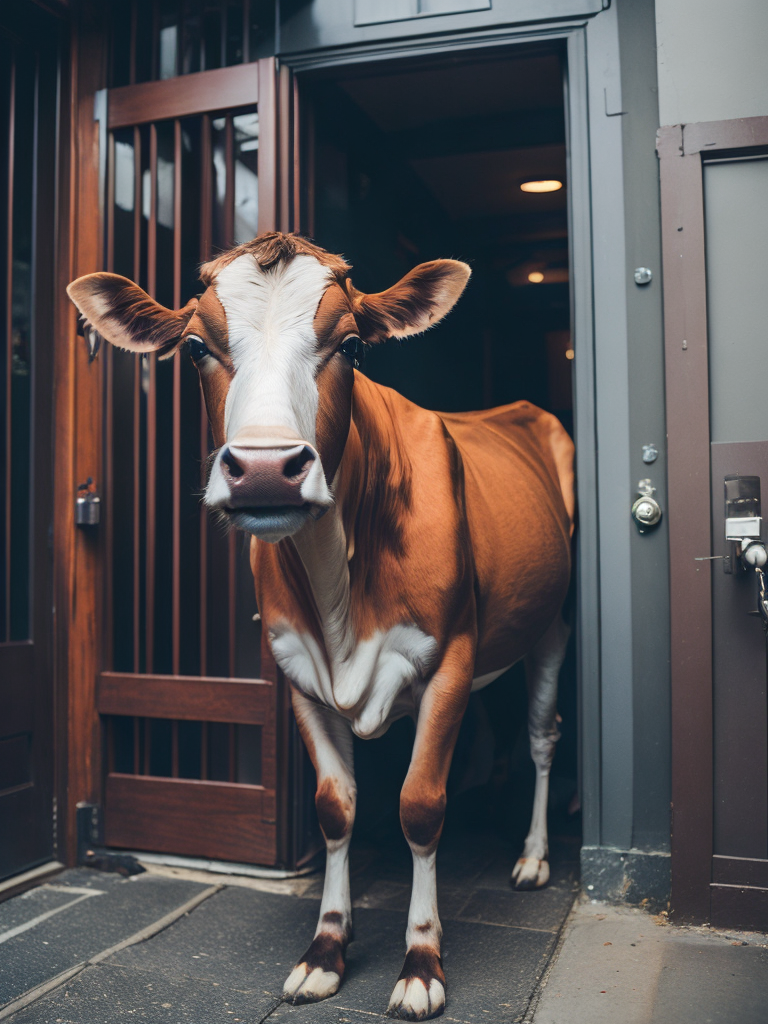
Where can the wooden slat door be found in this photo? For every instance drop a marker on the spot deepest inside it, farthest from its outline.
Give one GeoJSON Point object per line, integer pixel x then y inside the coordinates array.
{"type": "Point", "coordinates": [190, 699]}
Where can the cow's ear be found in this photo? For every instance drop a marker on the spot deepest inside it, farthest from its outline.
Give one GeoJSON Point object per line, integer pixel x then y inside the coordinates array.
{"type": "Point", "coordinates": [126, 316]}
{"type": "Point", "coordinates": [418, 301]}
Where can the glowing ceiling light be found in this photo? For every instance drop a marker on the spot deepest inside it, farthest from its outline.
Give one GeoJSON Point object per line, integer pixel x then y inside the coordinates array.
{"type": "Point", "coordinates": [569, 353]}
{"type": "Point", "coordinates": [535, 277]}
{"type": "Point", "coordinates": [541, 186]}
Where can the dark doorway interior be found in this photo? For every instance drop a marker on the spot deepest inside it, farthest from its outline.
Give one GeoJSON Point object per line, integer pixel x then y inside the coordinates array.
{"type": "Point", "coordinates": [428, 162]}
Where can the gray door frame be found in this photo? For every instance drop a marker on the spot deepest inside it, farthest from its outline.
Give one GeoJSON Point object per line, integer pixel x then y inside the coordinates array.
{"type": "Point", "coordinates": [601, 301]}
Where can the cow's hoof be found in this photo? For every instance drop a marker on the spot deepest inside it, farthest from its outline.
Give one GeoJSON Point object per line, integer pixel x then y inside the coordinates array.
{"type": "Point", "coordinates": [318, 974]}
{"type": "Point", "coordinates": [420, 990]}
{"type": "Point", "coordinates": [530, 873]}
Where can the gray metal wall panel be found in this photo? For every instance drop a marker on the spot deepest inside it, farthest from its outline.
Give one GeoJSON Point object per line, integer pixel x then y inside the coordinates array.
{"type": "Point", "coordinates": [330, 23]}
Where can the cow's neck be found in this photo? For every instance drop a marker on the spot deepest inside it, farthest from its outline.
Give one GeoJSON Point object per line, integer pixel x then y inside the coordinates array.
{"type": "Point", "coordinates": [322, 548]}
{"type": "Point", "coordinates": [371, 478]}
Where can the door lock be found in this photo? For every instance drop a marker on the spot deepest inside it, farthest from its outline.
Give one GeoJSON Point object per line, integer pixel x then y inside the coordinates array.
{"type": "Point", "coordinates": [743, 533]}
{"type": "Point", "coordinates": [646, 511]}
{"type": "Point", "coordinates": [743, 523]}
{"type": "Point", "coordinates": [87, 505]}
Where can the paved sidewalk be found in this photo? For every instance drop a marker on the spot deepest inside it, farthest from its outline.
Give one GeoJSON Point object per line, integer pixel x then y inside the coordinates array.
{"type": "Point", "coordinates": [618, 965]}
{"type": "Point", "coordinates": [177, 946]}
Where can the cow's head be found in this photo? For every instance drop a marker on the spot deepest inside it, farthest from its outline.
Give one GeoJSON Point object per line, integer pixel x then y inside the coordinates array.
{"type": "Point", "coordinates": [270, 336]}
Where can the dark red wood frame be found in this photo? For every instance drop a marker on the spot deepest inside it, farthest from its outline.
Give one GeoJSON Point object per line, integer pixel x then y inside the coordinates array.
{"type": "Point", "coordinates": [82, 437]}
{"type": "Point", "coordinates": [697, 894]}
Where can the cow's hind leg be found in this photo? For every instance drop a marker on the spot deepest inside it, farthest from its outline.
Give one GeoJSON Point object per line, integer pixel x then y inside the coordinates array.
{"type": "Point", "coordinates": [420, 990]}
{"type": "Point", "coordinates": [318, 973]}
{"type": "Point", "coordinates": [542, 667]}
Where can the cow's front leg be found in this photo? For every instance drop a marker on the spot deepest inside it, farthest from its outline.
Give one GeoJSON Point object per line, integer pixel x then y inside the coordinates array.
{"type": "Point", "coordinates": [328, 737]}
{"type": "Point", "coordinates": [542, 668]}
{"type": "Point", "coordinates": [420, 990]}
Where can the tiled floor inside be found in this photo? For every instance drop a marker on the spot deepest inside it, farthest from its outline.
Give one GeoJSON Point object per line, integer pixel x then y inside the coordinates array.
{"type": "Point", "coordinates": [226, 959]}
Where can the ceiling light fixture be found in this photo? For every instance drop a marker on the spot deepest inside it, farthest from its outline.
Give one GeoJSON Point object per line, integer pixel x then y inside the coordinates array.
{"type": "Point", "coordinates": [541, 186]}
{"type": "Point", "coordinates": [535, 277]}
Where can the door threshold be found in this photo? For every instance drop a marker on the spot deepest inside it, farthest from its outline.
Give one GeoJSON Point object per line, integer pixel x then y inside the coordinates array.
{"type": "Point", "coordinates": [27, 879]}
{"type": "Point", "coordinates": [217, 867]}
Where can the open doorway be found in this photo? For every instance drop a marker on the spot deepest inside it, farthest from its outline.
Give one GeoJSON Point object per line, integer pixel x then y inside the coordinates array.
{"type": "Point", "coordinates": [427, 161]}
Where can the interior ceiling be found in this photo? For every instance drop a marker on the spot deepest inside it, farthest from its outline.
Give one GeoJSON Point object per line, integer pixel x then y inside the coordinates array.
{"type": "Point", "coordinates": [416, 98]}
{"type": "Point", "coordinates": [488, 184]}
{"type": "Point", "coordinates": [484, 183]}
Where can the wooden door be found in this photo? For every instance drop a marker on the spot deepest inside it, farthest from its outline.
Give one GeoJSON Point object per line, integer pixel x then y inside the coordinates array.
{"type": "Point", "coordinates": [193, 709]}
{"type": "Point", "coordinates": [714, 206]}
{"type": "Point", "coordinates": [28, 107]}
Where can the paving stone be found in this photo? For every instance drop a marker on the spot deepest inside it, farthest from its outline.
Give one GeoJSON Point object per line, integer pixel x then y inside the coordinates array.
{"type": "Point", "coordinates": [542, 909]}
{"type": "Point", "coordinates": [108, 994]}
{"type": "Point", "coordinates": [124, 906]}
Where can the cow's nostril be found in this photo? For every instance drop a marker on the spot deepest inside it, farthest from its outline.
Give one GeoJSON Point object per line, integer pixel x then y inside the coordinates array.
{"type": "Point", "coordinates": [233, 466]}
{"type": "Point", "coordinates": [298, 463]}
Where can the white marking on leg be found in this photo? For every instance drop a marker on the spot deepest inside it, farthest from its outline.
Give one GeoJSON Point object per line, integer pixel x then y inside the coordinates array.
{"type": "Point", "coordinates": [424, 927]}
{"type": "Point", "coordinates": [332, 740]}
{"type": "Point", "coordinates": [542, 670]}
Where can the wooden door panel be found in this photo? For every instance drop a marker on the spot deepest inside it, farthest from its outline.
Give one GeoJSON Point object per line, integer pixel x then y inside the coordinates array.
{"type": "Point", "coordinates": [221, 820]}
{"type": "Point", "coordinates": [718, 654]}
{"type": "Point", "coordinates": [740, 706]}
{"type": "Point", "coordinates": [190, 696]}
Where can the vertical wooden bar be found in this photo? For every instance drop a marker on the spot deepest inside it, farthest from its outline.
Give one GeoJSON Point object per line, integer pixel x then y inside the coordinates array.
{"type": "Point", "coordinates": [136, 747]}
{"type": "Point", "coordinates": [268, 208]}
{"type": "Point", "coordinates": [206, 221]}
{"type": "Point", "coordinates": [107, 353]}
{"type": "Point", "coordinates": [285, 84]}
{"type": "Point", "coordinates": [175, 749]}
{"type": "Point", "coordinates": [110, 744]}
{"type": "Point", "coordinates": [9, 345]}
{"type": "Point", "coordinates": [223, 7]}
{"type": "Point", "coordinates": [229, 229]}
{"type": "Point", "coordinates": [246, 31]}
{"type": "Point", "coordinates": [232, 598]}
{"type": "Point", "coordinates": [232, 752]}
{"type": "Point", "coordinates": [137, 370]}
{"type": "Point", "coordinates": [229, 203]}
{"type": "Point", "coordinates": [151, 438]}
{"type": "Point", "coordinates": [134, 30]}
{"type": "Point", "coordinates": [155, 71]}
{"type": "Point", "coordinates": [297, 182]}
{"type": "Point", "coordinates": [176, 554]}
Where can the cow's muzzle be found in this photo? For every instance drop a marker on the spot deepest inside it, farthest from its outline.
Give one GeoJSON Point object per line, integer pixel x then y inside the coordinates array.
{"type": "Point", "coordinates": [268, 482]}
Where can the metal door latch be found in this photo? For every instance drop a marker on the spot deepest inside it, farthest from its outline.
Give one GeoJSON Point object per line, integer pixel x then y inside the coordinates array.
{"type": "Point", "coordinates": [87, 504]}
{"type": "Point", "coordinates": [646, 511]}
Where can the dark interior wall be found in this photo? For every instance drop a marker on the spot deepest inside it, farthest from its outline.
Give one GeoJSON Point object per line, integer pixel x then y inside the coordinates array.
{"type": "Point", "coordinates": [372, 204]}
{"type": "Point", "coordinates": [394, 187]}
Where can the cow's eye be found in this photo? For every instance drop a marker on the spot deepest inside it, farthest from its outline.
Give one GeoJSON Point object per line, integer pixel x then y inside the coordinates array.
{"type": "Point", "coordinates": [354, 349]}
{"type": "Point", "coordinates": [197, 348]}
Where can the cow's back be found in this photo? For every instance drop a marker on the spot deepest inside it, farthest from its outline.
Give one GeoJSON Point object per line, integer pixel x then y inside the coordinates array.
{"type": "Point", "coordinates": [518, 470]}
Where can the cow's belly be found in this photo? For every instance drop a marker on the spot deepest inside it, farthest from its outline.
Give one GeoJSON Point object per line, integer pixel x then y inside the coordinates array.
{"type": "Point", "coordinates": [372, 686]}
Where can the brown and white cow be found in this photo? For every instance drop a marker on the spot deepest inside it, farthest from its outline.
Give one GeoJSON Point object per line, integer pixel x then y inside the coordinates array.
{"type": "Point", "coordinates": [402, 558]}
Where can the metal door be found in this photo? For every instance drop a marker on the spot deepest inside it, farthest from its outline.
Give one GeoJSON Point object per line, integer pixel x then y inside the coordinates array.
{"type": "Point", "coordinates": [714, 207]}
{"type": "Point", "coordinates": [28, 108]}
{"type": "Point", "coordinates": [193, 708]}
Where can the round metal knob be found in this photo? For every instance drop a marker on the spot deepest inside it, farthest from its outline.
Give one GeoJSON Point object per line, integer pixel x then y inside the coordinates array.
{"type": "Point", "coordinates": [646, 511]}
{"type": "Point", "coordinates": [755, 555]}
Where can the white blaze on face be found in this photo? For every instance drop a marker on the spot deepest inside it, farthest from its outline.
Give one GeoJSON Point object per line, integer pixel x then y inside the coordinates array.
{"type": "Point", "coordinates": [272, 343]}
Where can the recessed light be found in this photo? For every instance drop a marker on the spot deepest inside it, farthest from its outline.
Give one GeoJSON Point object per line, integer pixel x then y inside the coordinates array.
{"type": "Point", "coordinates": [541, 186]}
{"type": "Point", "coordinates": [535, 277]}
